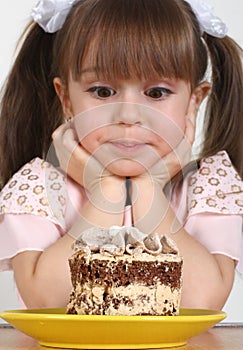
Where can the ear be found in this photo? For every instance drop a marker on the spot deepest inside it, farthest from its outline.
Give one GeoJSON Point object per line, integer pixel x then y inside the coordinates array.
{"type": "Point", "coordinates": [62, 93]}
{"type": "Point", "coordinates": [200, 92]}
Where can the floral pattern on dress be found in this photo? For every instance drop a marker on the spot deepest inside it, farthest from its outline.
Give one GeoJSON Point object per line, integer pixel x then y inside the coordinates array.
{"type": "Point", "coordinates": [216, 187]}
{"type": "Point", "coordinates": [38, 188]}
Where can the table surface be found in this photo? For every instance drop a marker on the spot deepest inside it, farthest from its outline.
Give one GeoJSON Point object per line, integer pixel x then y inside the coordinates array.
{"type": "Point", "coordinates": [217, 338]}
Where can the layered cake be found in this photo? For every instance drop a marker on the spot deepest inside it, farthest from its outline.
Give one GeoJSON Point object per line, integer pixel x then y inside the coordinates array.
{"type": "Point", "coordinates": [121, 271]}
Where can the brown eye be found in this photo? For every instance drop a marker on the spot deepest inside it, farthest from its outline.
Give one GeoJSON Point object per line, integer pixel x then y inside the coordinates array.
{"type": "Point", "coordinates": [102, 91]}
{"type": "Point", "coordinates": [157, 93]}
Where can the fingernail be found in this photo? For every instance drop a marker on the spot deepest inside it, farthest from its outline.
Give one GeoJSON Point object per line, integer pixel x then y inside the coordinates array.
{"type": "Point", "coordinates": [194, 99]}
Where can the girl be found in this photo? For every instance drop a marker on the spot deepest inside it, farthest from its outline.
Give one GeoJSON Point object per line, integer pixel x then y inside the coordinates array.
{"type": "Point", "coordinates": [134, 73]}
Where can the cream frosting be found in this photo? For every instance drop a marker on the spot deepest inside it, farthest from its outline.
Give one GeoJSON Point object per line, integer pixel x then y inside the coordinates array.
{"type": "Point", "coordinates": [118, 240]}
{"type": "Point", "coordinates": [140, 299]}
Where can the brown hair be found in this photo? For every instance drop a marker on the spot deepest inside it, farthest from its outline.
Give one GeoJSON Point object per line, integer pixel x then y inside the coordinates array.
{"type": "Point", "coordinates": [123, 39]}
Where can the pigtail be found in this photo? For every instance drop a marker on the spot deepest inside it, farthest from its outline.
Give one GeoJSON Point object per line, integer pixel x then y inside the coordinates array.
{"type": "Point", "coordinates": [29, 108]}
{"type": "Point", "coordinates": [224, 112]}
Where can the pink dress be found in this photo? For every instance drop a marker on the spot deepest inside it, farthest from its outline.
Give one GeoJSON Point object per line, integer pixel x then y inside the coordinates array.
{"type": "Point", "coordinates": [39, 204]}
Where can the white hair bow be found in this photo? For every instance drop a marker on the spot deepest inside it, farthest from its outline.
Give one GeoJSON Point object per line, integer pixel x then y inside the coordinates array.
{"type": "Point", "coordinates": [51, 15]}
{"type": "Point", "coordinates": [209, 22]}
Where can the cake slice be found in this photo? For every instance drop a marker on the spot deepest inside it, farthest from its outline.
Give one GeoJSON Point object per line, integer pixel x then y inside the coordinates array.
{"type": "Point", "coordinates": [121, 271]}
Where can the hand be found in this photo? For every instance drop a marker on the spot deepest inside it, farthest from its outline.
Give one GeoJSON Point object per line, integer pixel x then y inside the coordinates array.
{"type": "Point", "coordinates": [66, 145]}
{"type": "Point", "coordinates": [105, 189]}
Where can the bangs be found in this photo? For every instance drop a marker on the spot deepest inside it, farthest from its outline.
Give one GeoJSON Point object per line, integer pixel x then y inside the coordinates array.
{"type": "Point", "coordinates": [129, 39]}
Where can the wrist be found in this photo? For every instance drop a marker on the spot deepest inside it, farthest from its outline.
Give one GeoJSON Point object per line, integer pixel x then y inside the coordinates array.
{"type": "Point", "coordinates": [113, 190]}
{"type": "Point", "coordinates": [150, 180]}
{"type": "Point", "coordinates": [109, 195]}
{"type": "Point", "coordinates": [145, 189]}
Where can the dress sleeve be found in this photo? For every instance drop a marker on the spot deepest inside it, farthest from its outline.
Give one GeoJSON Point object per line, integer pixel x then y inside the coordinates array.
{"type": "Point", "coordinates": [216, 187]}
{"type": "Point", "coordinates": [220, 234]}
{"type": "Point", "coordinates": [32, 210]}
{"type": "Point", "coordinates": [38, 188]}
{"type": "Point", "coordinates": [215, 207]}
{"type": "Point", "coordinates": [19, 233]}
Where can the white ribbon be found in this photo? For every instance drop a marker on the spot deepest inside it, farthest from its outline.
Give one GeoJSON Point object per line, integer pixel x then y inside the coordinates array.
{"type": "Point", "coordinates": [209, 22]}
{"type": "Point", "coordinates": [51, 15]}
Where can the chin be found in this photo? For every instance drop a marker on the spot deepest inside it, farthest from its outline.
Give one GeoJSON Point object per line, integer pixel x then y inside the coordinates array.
{"type": "Point", "coordinates": [126, 168]}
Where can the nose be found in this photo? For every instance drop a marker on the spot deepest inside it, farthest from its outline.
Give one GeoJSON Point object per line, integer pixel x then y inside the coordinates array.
{"type": "Point", "coordinates": [128, 114]}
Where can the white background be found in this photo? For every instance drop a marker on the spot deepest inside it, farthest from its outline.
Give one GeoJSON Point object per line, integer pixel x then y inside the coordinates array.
{"type": "Point", "coordinates": [14, 15]}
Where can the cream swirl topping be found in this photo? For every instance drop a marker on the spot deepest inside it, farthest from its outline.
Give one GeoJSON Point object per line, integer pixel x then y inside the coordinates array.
{"type": "Point", "coordinates": [118, 240]}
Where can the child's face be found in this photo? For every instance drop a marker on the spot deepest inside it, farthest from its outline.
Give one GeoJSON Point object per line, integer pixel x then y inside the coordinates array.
{"type": "Point", "coordinates": [128, 124]}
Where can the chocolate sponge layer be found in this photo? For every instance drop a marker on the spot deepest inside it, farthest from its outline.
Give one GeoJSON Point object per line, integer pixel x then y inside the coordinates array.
{"type": "Point", "coordinates": [123, 273]}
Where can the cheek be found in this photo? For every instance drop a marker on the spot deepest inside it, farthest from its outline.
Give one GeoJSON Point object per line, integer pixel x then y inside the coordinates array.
{"type": "Point", "coordinates": [174, 115]}
{"type": "Point", "coordinates": [92, 123]}
{"type": "Point", "coordinates": [168, 131]}
{"type": "Point", "coordinates": [177, 116]}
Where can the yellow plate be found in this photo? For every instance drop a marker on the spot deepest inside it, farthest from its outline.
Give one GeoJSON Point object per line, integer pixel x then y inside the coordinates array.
{"type": "Point", "coordinates": [52, 327]}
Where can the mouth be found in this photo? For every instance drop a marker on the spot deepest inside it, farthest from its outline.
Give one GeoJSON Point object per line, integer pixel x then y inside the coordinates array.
{"type": "Point", "coordinates": [128, 145]}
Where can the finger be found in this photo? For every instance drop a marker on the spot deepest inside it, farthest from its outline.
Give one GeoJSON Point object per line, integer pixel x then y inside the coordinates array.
{"type": "Point", "coordinates": [57, 133]}
{"type": "Point", "coordinates": [69, 139]}
{"type": "Point", "coordinates": [65, 137]}
{"type": "Point", "coordinates": [191, 121]}
{"type": "Point", "coordinates": [73, 162]}
{"type": "Point", "coordinates": [183, 152]}
{"type": "Point", "coordinates": [79, 155]}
